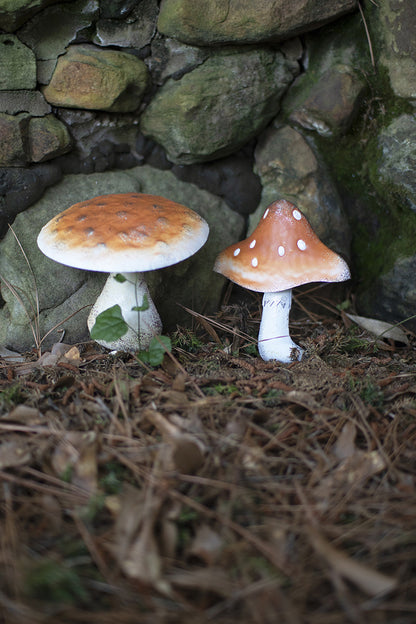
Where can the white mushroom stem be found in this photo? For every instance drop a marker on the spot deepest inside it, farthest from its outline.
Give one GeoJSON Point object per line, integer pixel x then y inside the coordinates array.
{"type": "Point", "coordinates": [274, 340]}
{"type": "Point", "coordinates": [143, 326]}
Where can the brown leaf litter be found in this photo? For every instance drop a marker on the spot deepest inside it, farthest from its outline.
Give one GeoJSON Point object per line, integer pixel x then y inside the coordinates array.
{"type": "Point", "coordinates": [217, 487]}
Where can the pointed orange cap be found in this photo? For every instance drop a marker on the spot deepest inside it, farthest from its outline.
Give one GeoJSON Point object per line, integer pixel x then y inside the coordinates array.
{"type": "Point", "coordinates": [281, 253]}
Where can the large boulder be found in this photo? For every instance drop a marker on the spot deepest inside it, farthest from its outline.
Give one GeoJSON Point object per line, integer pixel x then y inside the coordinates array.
{"type": "Point", "coordinates": [219, 106]}
{"type": "Point", "coordinates": [244, 21]}
{"type": "Point", "coordinates": [65, 294]}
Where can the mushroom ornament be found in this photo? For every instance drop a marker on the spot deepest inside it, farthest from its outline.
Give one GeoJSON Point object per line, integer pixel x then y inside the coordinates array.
{"type": "Point", "coordinates": [125, 234]}
{"type": "Point", "coordinates": [281, 253]}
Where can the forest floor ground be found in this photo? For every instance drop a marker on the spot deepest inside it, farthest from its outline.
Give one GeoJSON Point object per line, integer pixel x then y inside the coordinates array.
{"type": "Point", "coordinates": [215, 487]}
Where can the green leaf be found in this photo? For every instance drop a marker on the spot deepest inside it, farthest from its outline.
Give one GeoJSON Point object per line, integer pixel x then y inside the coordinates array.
{"type": "Point", "coordinates": [158, 346]}
{"type": "Point", "coordinates": [109, 325]}
{"type": "Point", "coordinates": [119, 277]}
{"type": "Point", "coordinates": [144, 306]}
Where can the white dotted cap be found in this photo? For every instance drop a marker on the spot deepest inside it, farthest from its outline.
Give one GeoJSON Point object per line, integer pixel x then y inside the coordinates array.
{"type": "Point", "coordinates": [125, 232]}
{"type": "Point", "coordinates": [281, 253]}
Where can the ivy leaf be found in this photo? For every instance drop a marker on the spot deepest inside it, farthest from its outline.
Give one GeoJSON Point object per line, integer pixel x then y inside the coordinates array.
{"type": "Point", "coordinates": [144, 306]}
{"type": "Point", "coordinates": [109, 325]}
{"type": "Point", "coordinates": [119, 277]}
{"type": "Point", "coordinates": [157, 349]}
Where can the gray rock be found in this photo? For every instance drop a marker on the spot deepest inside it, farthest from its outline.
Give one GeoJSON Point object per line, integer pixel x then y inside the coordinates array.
{"type": "Point", "coordinates": [25, 139]}
{"type": "Point", "coordinates": [12, 147]}
{"type": "Point", "coordinates": [244, 21]}
{"type": "Point", "coordinates": [326, 97]}
{"type": "Point", "coordinates": [20, 187]}
{"type": "Point", "coordinates": [64, 291]}
{"type": "Point", "coordinates": [22, 101]}
{"type": "Point", "coordinates": [392, 296]}
{"type": "Point", "coordinates": [290, 168]}
{"type": "Point", "coordinates": [13, 14]}
{"type": "Point", "coordinates": [134, 31]}
{"type": "Point", "coordinates": [393, 29]}
{"type": "Point", "coordinates": [231, 178]}
{"type": "Point", "coordinates": [99, 138]}
{"type": "Point", "coordinates": [219, 106]}
{"type": "Point", "coordinates": [47, 138]}
{"type": "Point", "coordinates": [173, 59]}
{"type": "Point", "coordinates": [394, 174]}
{"type": "Point", "coordinates": [17, 64]}
{"type": "Point", "coordinates": [117, 9]}
{"type": "Point", "coordinates": [50, 32]}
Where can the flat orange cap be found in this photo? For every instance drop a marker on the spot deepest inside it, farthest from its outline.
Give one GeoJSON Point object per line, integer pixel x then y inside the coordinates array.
{"type": "Point", "coordinates": [281, 253]}
{"type": "Point", "coordinates": [125, 232]}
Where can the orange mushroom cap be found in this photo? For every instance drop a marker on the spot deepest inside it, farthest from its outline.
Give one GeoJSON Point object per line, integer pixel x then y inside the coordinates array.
{"type": "Point", "coordinates": [123, 232]}
{"type": "Point", "coordinates": [283, 252]}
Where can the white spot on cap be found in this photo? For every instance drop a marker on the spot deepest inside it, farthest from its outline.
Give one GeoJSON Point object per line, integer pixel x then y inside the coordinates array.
{"type": "Point", "coordinates": [297, 215]}
{"type": "Point", "coordinates": [253, 244]}
{"type": "Point", "coordinates": [266, 213]}
{"type": "Point", "coordinates": [301, 244]}
{"type": "Point", "coordinates": [281, 251]}
{"type": "Point", "coordinates": [237, 251]}
{"type": "Point", "coordinates": [254, 262]}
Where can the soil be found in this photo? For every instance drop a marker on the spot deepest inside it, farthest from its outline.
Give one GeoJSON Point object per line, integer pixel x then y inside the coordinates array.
{"type": "Point", "coordinates": [216, 486]}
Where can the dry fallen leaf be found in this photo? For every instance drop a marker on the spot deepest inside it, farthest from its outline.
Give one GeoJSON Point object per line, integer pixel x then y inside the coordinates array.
{"type": "Point", "coordinates": [14, 453]}
{"type": "Point", "coordinates": [26, 415]}
{"type": "Point", "coordinates": [365, 578]}
{"type": "Point", "coordinates": [135, 544]}
{"type": "Point", "coordinates": [206, 545]}
{"type": "Point", "coordinates": [380, 329]}
{"type": "Point", "coordinates": [345, 445]}
{"type": "Point", "coordinates": [354, 468]}
{"type": "Point", "coordinates": [183, 452]}
{"type": "Point", "coordinates": [11, 357]}
{"type": "Point", "coordinates": [75, 456]}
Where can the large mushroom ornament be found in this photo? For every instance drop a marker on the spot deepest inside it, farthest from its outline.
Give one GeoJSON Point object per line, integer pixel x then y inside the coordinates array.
{"type": "Point", "coordinates": [283, 252]}
{"type": "Point", "coordinates": [125, 234]}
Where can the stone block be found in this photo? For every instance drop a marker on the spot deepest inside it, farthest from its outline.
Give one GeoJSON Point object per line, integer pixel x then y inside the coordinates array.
{"type": "Point", "coordinates": [96, 79]}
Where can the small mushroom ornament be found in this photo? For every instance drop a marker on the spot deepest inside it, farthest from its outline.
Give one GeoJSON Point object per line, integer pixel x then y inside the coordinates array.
{"type": "Point", "coordinates": [124, 234]}
{"type": "Point", "coordinates": [283, 252]}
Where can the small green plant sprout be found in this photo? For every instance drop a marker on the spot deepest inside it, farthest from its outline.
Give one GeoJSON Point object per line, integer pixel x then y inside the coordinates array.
{"type": "Point", "coordinates": [125, 235]}
{"type": "Point", "coordinates": [110, 326]}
